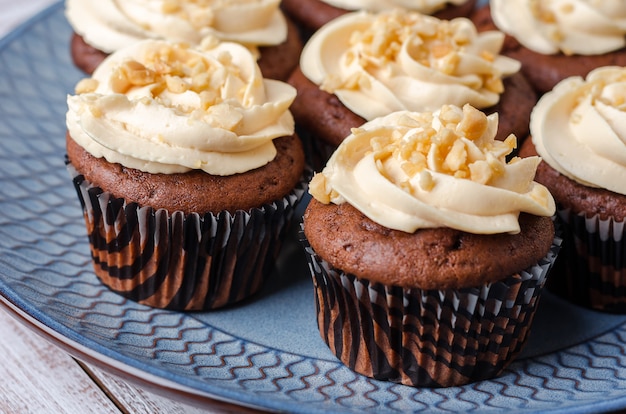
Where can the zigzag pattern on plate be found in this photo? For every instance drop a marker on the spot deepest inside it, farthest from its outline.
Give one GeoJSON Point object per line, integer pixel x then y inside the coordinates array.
{"type": "Point", "coordinates": [45, 267]}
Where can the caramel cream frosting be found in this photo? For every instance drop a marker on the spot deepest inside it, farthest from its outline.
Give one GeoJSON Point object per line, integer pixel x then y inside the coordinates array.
{"type": "Point", "coordinates": [579, 128]}
{"type": "Point", "coordinates": [397, 60]}
{"type": "Point", "coordinates": [422, 6]}
{"type": "Point", "coordinates": [162, 107]}
{"type": "Point", "coordinates": [109, 25]}
{"type": "Point", "coordinates": [582, 27]}
{"type": "Point", "coordinates": [410, 170]}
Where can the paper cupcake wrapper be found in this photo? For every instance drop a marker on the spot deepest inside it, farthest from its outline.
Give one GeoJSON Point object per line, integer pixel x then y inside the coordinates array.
{"type": "Point", "coordinates": [182, 261]}
{"type": "Point", "coordinates": [426, 338]}
{"type": "Point", "coordinates": [592, 268]}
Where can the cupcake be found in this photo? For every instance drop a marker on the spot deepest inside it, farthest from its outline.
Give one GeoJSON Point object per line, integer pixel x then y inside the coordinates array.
{"type": "Point", "coordinates": [104, 26]}
{"type": "Point", "coordinates": [555, 40]}
{"type": "Point", "coordinates": [579, 130]}
{"type": "Point", "coordinates": [188, 172]}
{"type": "Point", "coordinates": [313, 14]}
{"type": "Point", "coordinates": [428, 250]}
{"type": "Point", "coordinates": [365, 65]}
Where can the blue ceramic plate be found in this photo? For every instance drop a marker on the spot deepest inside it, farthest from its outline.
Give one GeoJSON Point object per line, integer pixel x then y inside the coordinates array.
{"type": "Point", "coordinates": [267, 352]}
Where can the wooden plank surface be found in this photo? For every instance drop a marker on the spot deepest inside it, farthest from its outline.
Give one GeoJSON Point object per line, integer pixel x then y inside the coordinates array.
{"type": "Point", "coordinates": [141, 401]}
{"type": "Point", "coordinates": [38, 377]}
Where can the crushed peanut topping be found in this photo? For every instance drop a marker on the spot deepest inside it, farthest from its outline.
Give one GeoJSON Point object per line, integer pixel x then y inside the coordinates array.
{"type": "Point", "coordinates": [319, 188]}
{"type": "Point", "coordinates": [454, 141]}
{"type": "Point", "coordinates": [200, 13]}
{"type": "Point", "coordinates": [176, 69]}
{"type": "Point", "coordinates": [608, 87]}
{"type": "Point", "coordinates": [86, 85]}
{"type": "Point", "coordinates": [456, 149]}
{"type": "Point", "coordinates": [541, 12]}
{"type": "Point", "coordinates": [431, 42]}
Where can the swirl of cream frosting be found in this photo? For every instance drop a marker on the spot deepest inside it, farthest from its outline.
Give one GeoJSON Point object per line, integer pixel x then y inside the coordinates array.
{"type": "Point", "coordinates": [423, 6]}
{"type": "Point", "coordinates": [397, 60]}
{"type": "Point", "coordinates": [162, 107]}
{"type": "Point", "coordinates": [411, 170]}
{"type": "Point", "coordinates": [582, 27]}
{"type": "Point", "coordinates": [579, 128]}
{"type": "Point", "coordinates": [109, 25]}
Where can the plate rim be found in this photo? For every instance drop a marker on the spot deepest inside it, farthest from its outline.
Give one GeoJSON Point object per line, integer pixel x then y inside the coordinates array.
{"type": "Point", "coordinates": [122, 366]}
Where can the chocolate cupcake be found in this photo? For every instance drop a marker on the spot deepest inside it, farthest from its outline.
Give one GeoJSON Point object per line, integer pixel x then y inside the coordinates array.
{"type": "Point", "coordinates": [428, 251]}
{"type": "Point", "coordinates": [188, 171]}
{"type": "Point", "coordinates": [579, 131]}
{"type": "Point", "coordinates": [103, 26]}
{"type": "Point", "coordinates": [313, 14]}
{"type": "Point", "coordinates": [365, 65]}
{"type": "Point", "coordinates": [554, 40]}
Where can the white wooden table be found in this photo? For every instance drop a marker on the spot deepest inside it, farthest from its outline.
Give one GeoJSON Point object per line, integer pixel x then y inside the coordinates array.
{"type": "Point", "coordinates": [38, 377]}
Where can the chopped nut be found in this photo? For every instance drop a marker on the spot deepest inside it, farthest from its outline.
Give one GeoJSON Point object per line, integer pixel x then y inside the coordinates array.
{"type": "Point", "coordinates": [178, 69]}
{"type": "Point", "coordinates": [480, 172]}
{"type": "Point", "coordinates": [431, 42]}
{"type": "Point", "coordinates": [352, 82]}
{"type": "Point", "coordinates": [95, 111]}
{"type": "Point", "coordinates": [157, 88]}
{"type": "Point", "coordinates": [453, 149]}
{"type": "Point", "coordinates": [474, 123]}
{"type": "Point", "coordinates": [408, 121]}
{"type": "Point", "coordinates": [461, 174]}
{"type": "Point", "coordinates": [198, 13]}
{"type": "Point", "coordinates": [86, 85]}
{"type": "Point", "coordinates": [510, 142]}
{"type": "Point", "coordinates": [419, 147]}
{"type": "Point", "coordinates": [446, 137]}
{"type": "Point", "coordinates": [488, 56]}
{"type": "Point", "coordinates": [449, 63]}
{"type": "Point", "coordinates": [405, 186]}
{"type": "Point", "coordinates": [494, 84]}
{"type": "Point", "coordinates": [202, 18]}
{"type": "Point", "coordinates": [317, 188]}
{"type": "Point", "coordinates": [440, 49]}
{"type": "Point", "coordinates": [450, 115]}
{"type": "Point", "coordinates": [119, 82]}
{"type": "Point", "coordinates": [200, 81]}
{"type": "Point", "coordinates": [137, 73]}
{"type": "Point", "coordinates": [209, 42]}
{"type": "Point", "coordinates": [426, 181]}
{"type": "Point", "coordinates": [541, 12]}
{"type": "Point", "coordinates": [170, 6]}
{"type": "Point", "coordinates": [457, 156]}
{"type": "Point", "coordinates": [497, 166]}
{"type": "Point", "coordinates": [331, 83]}
{"type": "Point", "coordinates": [176, 85]}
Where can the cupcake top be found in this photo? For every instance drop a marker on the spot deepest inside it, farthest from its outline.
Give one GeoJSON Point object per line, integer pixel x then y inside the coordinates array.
{"type": "Point", "coordinates": [409, 171]}
{"type": "Point", "coordinates": [582, 27]}
{"type": "Point", "coordinates": [163, 107]}
{"type": "Point", "coordinates": [398, 60]}
{"type": "Point", "coordinates": [579, 128]}
{"type": "Point", "coordinates": [111, 25]}
{"type": "Point", "coordinates": [424, 6]}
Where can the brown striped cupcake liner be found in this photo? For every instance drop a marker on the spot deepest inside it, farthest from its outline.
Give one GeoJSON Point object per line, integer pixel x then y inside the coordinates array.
{"type": "Point", "coordinates": [426, 338]}
{"type": "Point", "coordinates": [187, 262]}
{"type": "Point", "coordinates": [591, 269]}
